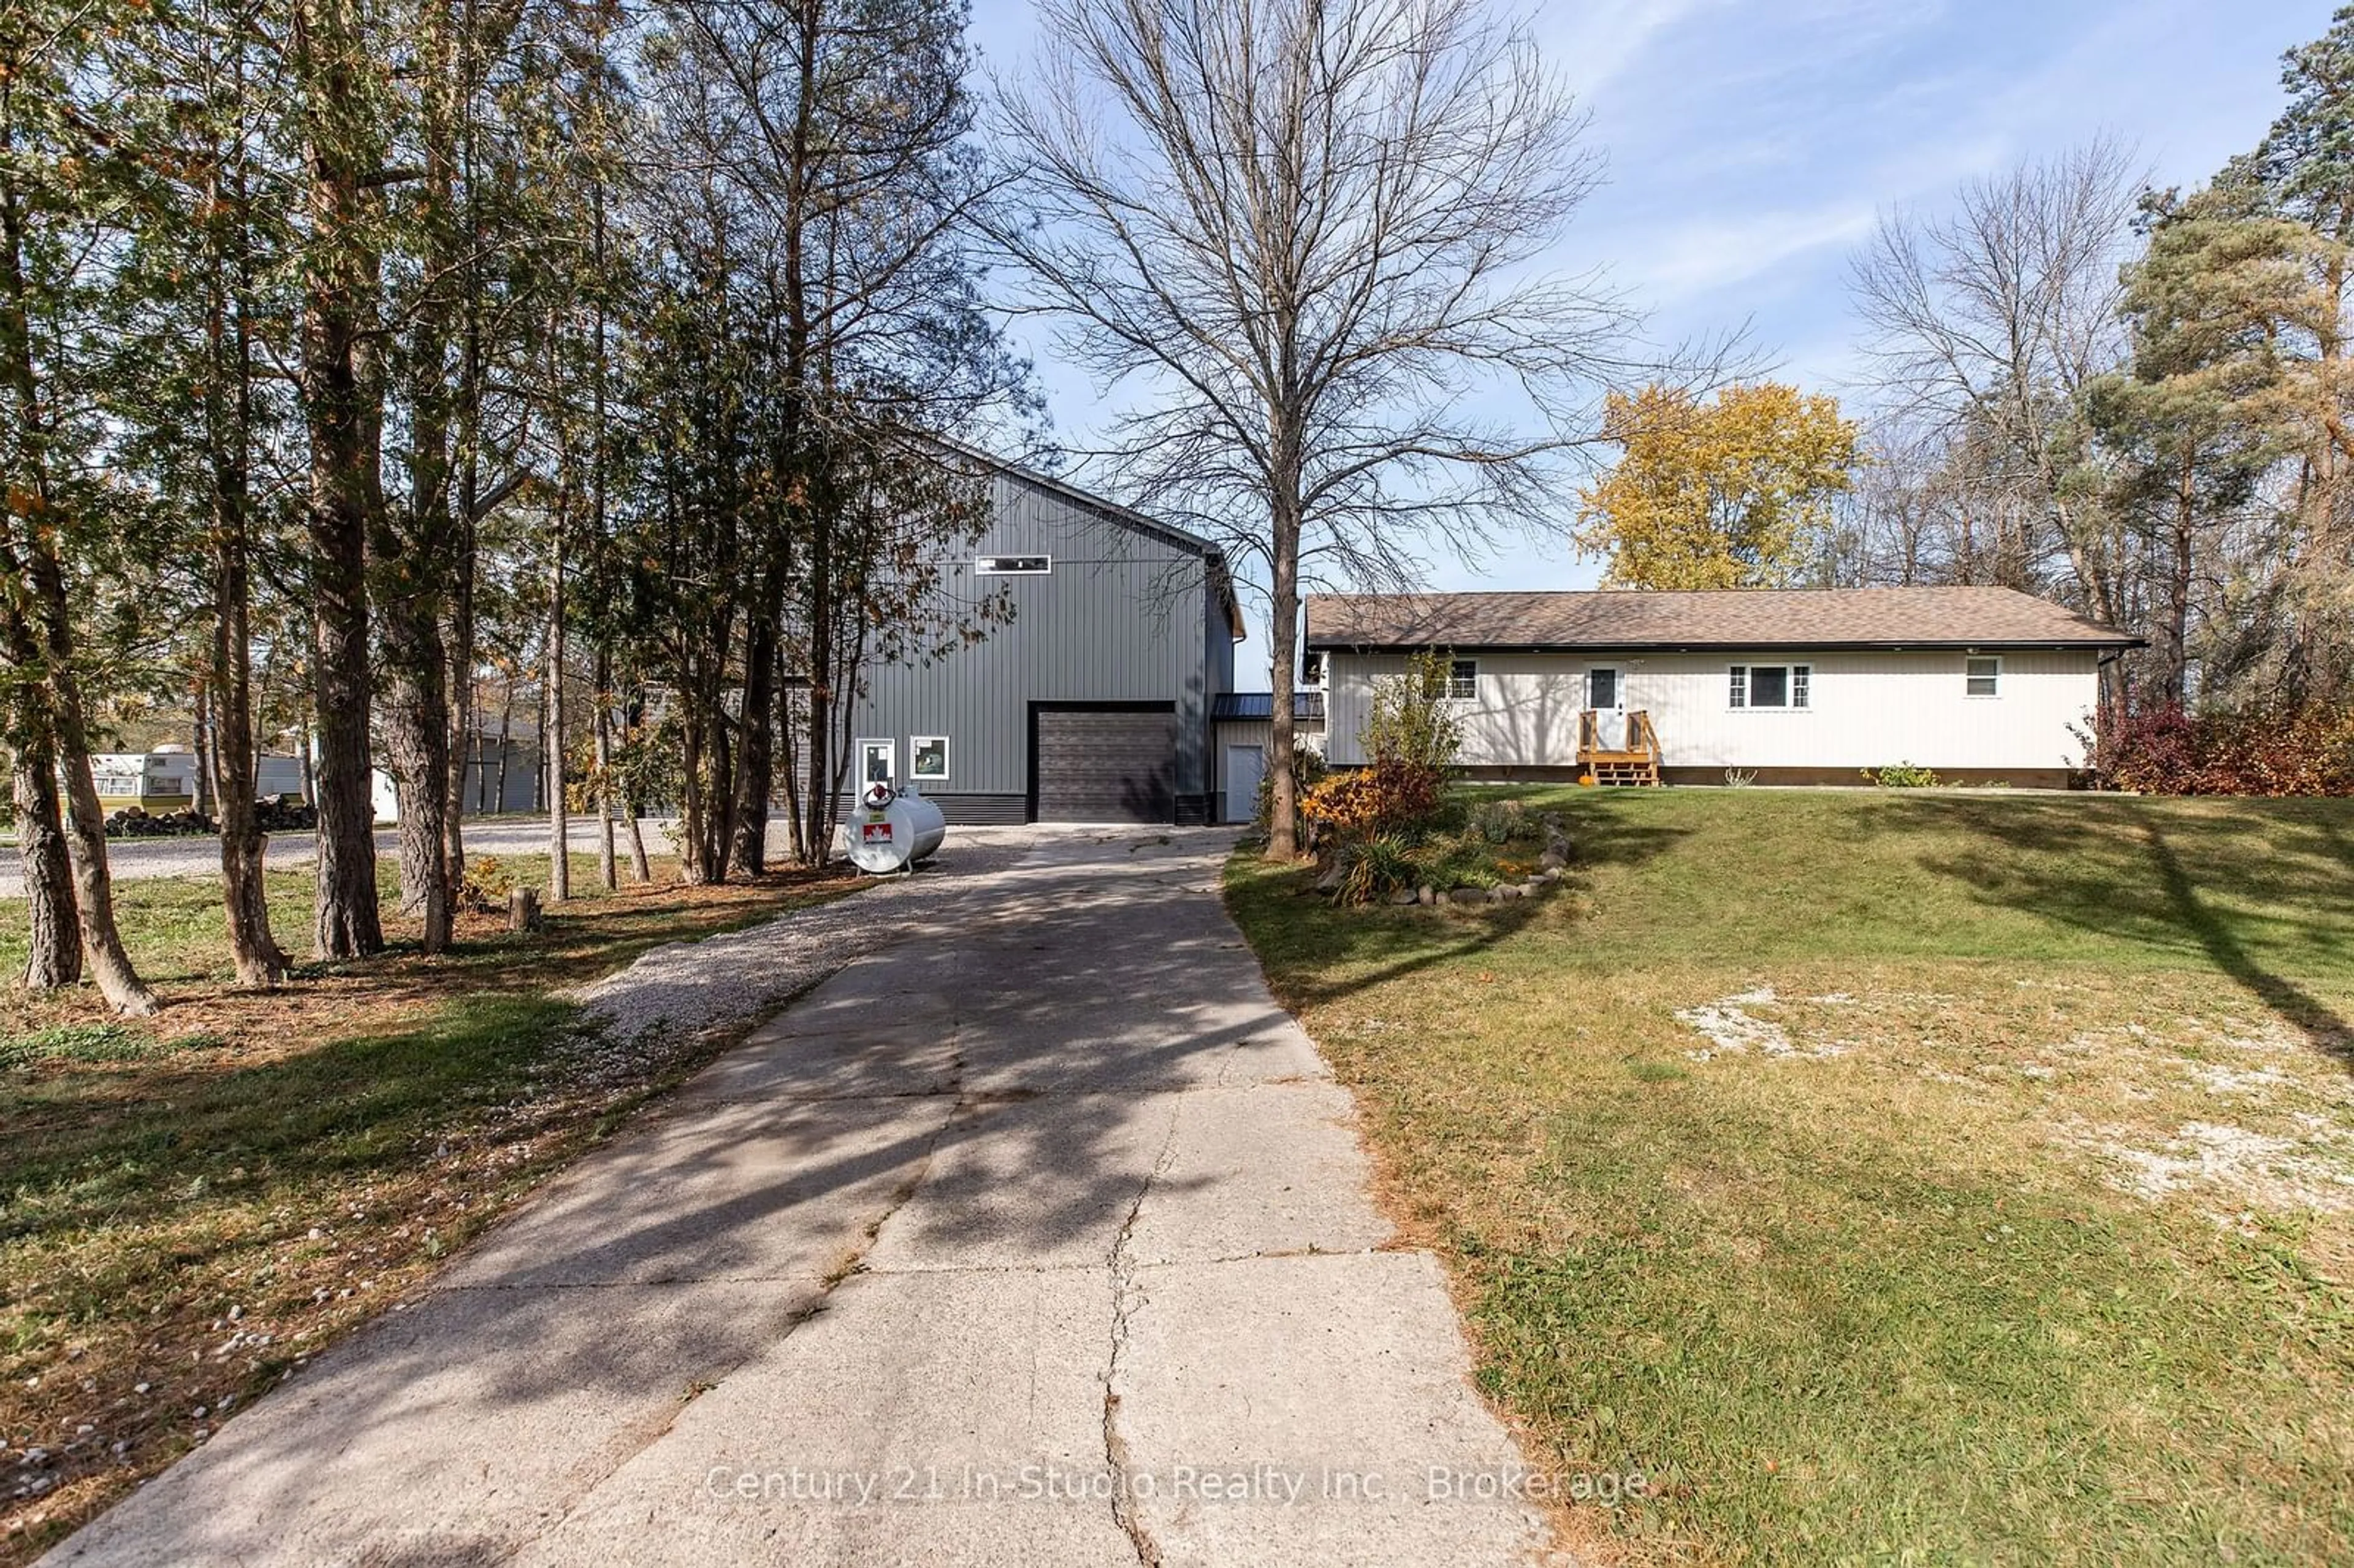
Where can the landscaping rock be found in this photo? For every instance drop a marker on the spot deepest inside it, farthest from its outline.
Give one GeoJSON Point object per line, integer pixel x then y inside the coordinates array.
{"type": "Point", "coordinates": [1330, 881]}
{"type": "Point", "coordinates": [1552, 860]}
{"type": "Point", "coordinates": [1403, 896]}
{"type": "Point", "coordinates": [1426, 894]}
{"type": "Point", "coordinates": [1509, 891]}
{"type": "Point", "coordinates": [1468, 896]}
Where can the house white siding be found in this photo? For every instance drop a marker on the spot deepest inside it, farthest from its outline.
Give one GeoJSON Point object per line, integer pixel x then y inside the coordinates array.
{"type": "Point", "coordinates": [1865, 709]}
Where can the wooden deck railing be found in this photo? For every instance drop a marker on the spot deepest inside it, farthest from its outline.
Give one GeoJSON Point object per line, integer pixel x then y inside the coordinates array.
{"type": "Point", "coordinates": [1635, 760]}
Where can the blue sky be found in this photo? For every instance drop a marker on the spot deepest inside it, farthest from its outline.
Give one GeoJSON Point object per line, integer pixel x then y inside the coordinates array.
{"type": "Point", "coordinates": [1751, 144]}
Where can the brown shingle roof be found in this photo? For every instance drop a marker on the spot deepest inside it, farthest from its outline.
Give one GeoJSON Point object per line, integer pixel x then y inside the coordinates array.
{"type": "Point", "coordinates": [1726, 619]}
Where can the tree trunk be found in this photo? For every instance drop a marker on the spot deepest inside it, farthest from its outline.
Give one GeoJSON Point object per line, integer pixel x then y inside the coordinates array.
{"type": "Point", "coordinates": [417, 730]}
{"type": "Point", "coordinates": [2178, 581]}
{"type": "Point", "coordinates": [53, 957]}
{"type": "Point", "coordinates": [202, 743]}
{"type": "Point", "coordinates": [342, 408]}
{"type": "Point", "coordinates": [465, 739]}
{"type": "Point", "coordinates": [639, 862]}
{"type": "Point", "coordinates": [253, 949]}
{"type": "Point", "coordinates": [754, 777]}
{"type": "Point", "coordinates": [411, 561]}
{"type": "Point", "coordinates": [1283, 634]}
{"type": "Point", "coordinates": [606, 875]}
{"type": "Point", "coordinates": [347, 924]}
{"type": "Point", "coordinates": [101, 941]}
{"type": "Point", "coordinates": [789, 721]}
{"type": "Point", "coordinates": [464, 732]}
{"type": "Point", "coordinates": [690, 792]}
{"type": "Point", "coordinates": [818, 783]}
{"type": "Point", "coordinates": [719, 801]}
{"type": "Point", "coordinates": [506, 727]}
{"type": "Point", "coordinates": [559, 826]}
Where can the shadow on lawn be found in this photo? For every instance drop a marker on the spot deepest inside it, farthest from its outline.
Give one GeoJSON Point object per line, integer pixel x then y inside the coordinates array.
{"type": "Point", "coordinates": [2249, 886]}
{"type": "Point", "coordinates": [78, 1149]}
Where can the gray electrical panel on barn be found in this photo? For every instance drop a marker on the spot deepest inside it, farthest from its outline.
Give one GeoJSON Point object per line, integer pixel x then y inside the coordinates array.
{"type": "Point", "coordinates": [1115, 619]}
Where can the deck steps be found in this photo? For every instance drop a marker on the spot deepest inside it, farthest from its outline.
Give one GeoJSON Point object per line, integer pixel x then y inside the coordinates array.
{"type": "Point", "coordinates": [1633, 762]}
{"type": "Point", "coordinates": [1643, 773]}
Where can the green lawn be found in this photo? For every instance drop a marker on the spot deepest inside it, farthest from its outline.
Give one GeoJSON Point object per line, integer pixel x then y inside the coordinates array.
{"type": "Point", "coordinates": [1990, 1201]}
{"type": "Point", "coordinates": [304, 1157]}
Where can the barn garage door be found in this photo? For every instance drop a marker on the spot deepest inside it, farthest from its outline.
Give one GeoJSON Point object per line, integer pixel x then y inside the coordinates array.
{"type": "Point", "coordinates": [1106, 766]}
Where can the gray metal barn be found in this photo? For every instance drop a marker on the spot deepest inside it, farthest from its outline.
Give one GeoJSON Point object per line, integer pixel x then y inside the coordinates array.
{"type": "Point", "coordinates": [1093, 705]}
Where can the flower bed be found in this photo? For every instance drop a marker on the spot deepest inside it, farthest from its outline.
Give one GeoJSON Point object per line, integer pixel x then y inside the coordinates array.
{"type": "Point", "coordinates": [1458, 851]}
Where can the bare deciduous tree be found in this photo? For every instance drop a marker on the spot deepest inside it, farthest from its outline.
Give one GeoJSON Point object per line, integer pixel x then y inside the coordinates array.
{"type": "Point", "coordinates": [1306, 227]}
{"type": "Point", "coordinates": [1989, 324]}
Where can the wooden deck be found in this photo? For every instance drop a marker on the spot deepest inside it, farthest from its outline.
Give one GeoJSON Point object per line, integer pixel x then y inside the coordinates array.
{"type": "Point", "coordinates": [1636, 763]}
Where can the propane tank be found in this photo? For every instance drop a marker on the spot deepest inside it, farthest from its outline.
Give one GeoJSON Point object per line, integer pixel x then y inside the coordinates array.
{"type": "Point", "coordinates": [892, 830]}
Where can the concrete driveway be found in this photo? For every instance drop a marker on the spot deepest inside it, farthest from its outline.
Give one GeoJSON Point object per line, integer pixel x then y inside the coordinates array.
{"type": "Point", "coordinates": [1041, 1236]}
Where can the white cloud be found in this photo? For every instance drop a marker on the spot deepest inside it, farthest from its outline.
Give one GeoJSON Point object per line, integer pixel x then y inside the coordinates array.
{"type": "Point", "coordinates": [1712, 253]}
{"type": "Point", "coordinates": [1594, 45]}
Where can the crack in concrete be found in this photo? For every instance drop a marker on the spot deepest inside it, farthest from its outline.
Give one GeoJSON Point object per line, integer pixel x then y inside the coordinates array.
{"type": "Point", "coordinates": [1125, 1297]}
{"type": "Point", "coordinates": [856, 1262]}
{"type": "Point", "coordinates": [853, 1263]}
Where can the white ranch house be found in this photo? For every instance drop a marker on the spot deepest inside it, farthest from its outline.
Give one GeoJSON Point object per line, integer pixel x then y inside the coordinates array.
{"type": "Point", "coordinates": [1797, 686]}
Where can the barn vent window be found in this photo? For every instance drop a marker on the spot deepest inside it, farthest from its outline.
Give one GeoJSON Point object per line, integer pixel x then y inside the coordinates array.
{"type": "Point", "coordinates": [1013, 566]}
{"type": "Point", "coordinates": [1463, 679]}
{"type": "Point", "coordinates": [1771, 686]}
{"type": "Point", "coordinates": [1983, 677]}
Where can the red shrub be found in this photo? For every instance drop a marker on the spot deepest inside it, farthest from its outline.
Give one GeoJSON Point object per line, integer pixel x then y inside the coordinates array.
{"type": "Point", "coordinates": [2277, 751]}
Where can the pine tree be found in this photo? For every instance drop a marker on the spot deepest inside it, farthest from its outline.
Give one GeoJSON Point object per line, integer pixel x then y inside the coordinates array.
{"type": "Point", "coordinates": [61, 165]}
{"type": "Point", "coordinates": [2209, 404]}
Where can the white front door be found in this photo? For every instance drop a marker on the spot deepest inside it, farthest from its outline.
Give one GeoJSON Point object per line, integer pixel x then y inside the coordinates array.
{"type": "Point", "coordinates": [1245, 766]}
{"type": "Point", "coordinates": [1606, 694]}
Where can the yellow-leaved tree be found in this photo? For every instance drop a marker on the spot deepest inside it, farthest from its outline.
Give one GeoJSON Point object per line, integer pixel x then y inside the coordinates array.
{"type": "Point", "coordinates": [1736, 491]}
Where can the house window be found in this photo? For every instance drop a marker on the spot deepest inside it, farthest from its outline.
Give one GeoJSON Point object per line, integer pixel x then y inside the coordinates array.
{"type": "Point", "coordinates": [1601, 688]}
{"type": "Point", "coordinates": [928, 757]}
{"type": "Point", "coordinates": [878, 762]}
{"type": "Point", "coordinates": [1771, 686]}
{"type": "Point", "coordinates": [1013, 566]}
{"type": "Point", "coordinates": [1463, 679]}
{"type": "Point", "coordinates": [1983, 677]}
{"type": "Point", "coordinates": [1311, 669]}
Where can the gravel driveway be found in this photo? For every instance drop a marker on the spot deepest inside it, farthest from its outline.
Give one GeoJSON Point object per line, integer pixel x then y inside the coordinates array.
{"type": "Point", "coordinates": [689, 987]}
